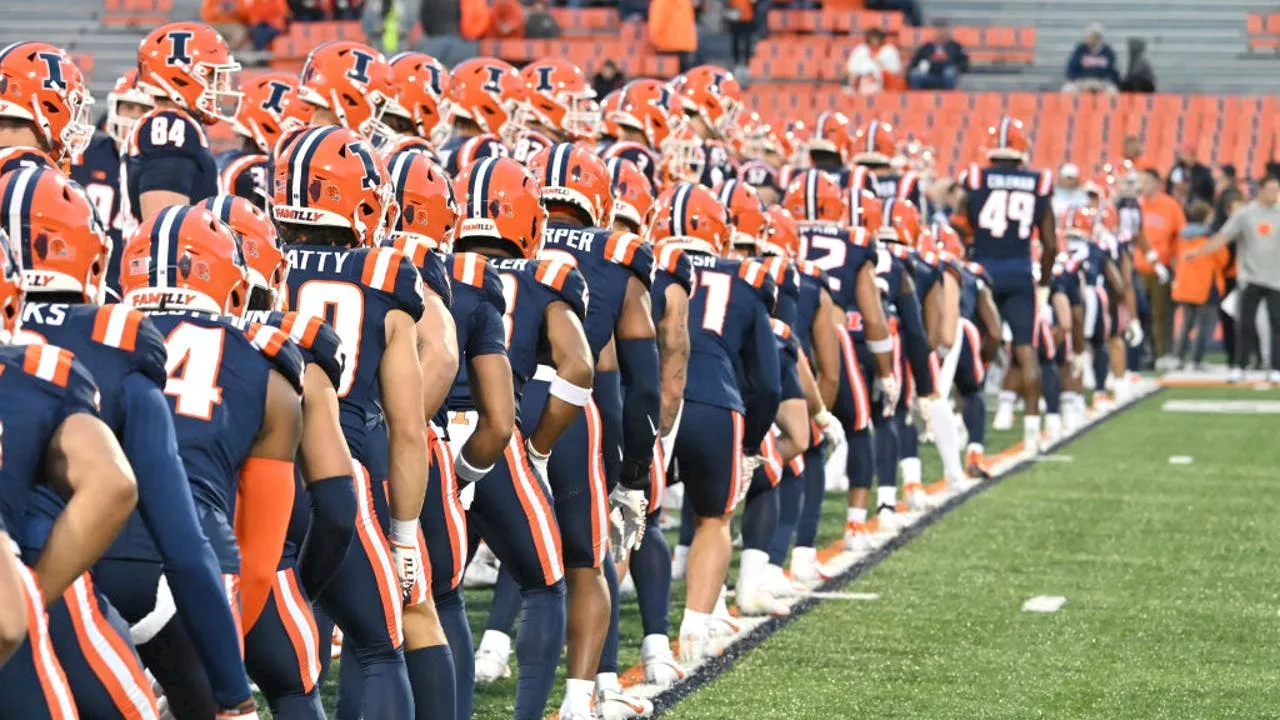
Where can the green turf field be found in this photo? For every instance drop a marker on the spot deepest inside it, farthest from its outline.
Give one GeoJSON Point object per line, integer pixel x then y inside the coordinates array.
{"type": "Point", "coordinates": [1169, 573]}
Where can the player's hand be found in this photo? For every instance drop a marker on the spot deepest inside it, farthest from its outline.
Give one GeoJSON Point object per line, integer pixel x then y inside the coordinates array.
{"type": "Point", "coordinates": [1163, 274]}
{"type": "Point", "coordinates": [1076, 364]}
{"type": "Point", "coordinates": [888, 390]}
{"type": "Point", "coordinates": [408, 563]}
{"type": "Point", "coordinates": [538, 461]}
{"type": "Point", "coordinates": [626, 521]}
{"type": "Point", "coordinates": [831, 429]}
{"type": "Point", "coordinates": [1133, 335]}
{"type": "Point", "coordinates": [248, 710]}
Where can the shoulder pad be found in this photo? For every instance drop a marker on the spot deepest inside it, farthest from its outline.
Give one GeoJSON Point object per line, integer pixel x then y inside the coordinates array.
{"type": "Point", "coordinates": [318, 342]}
{"type": "Point", "coordinates": [60, 373]}
{"type": "Point", "coordinates": [472, 269]}
{"type": "Point", "coordinates": [630, 251]}
{"type": "Point", "coordinates": [755, 275]}
{"type": "Point", "coordinates": [670, 258]}
{"type": "Point", "coordinates": [133, 333]}
{"type": "Point", "coordinates": [167, 129]}
{"type": "Point", "coordinates": [389, 271]}
{"type": "Point", "coordinates": [429, 265]}
{"type": "Point", "coordinates": [565, 281]}
{"type": "Point", "coordinates": [781, 329]}
{"type": "Point", "coordinates": [276, 346]}
{"type": "Point", "coordinates": [860, 237]}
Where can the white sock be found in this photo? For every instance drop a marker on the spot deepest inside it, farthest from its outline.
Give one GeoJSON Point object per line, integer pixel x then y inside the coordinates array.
{"type": "Point", "coordinates": [1053, 424]}
{"type": "Point", "coordinates": [976, 447]}
{"type": "Point", "coordinates": [856, 515]}
{"type": "Point", "coordinates": [722, 605]}
{"type": "Point", "coordinates": [910, 468]}
{"type": "Point", "coordinates": [945, 437]}
{"type": "Point", "coordinates": [806, 555]}
{"type": "Point", "coordinates": [750, 566]}
{"type": "Point", "coordinates": [1031, 427]}
{"type": "Point", "coordinates": [495, 641]}
{"type": "Point", "coordinates": [656, 645]}
{"type": "Point", "coordinates": [887, 495]}
{"type": "Point", "coordinates": [693, 622]}
{"type": "Point", "coordinates": [577, 695]}
{"type": "Point", "coordinates": [608, 681]}
{"type": "Point", "coordinates": [681, 552]}
{"type": "Point", "coordinates": [1007, 399]}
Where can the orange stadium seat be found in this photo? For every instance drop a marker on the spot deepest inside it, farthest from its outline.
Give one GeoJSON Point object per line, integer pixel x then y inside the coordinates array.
{"type": "Point", "coordinates": [136, 13]}
{"type": "Point", "coordinates": [586, 21]}
{"type": "Point", "coordinates": [1263, 33]}
{"type": "Point", "coordinates": [289, 51]}
{"type": "Point", "coordinates": [84, 61]}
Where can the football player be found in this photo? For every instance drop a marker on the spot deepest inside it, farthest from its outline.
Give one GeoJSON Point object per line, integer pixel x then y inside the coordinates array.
{"type": "Point", "coordinates": [849, 256]}
{"type": "Point", "coordinates": [126, 352]}
{"type": "Point", "coordinates": [732, 396]}
{"type": "Point", "coordinates": [1005, 205]}
{"type": "Point", "coordinates": [15, 580]}
{"type": "Point", "coordinates": [642, 122]}
{"type": "Point", "coordinates": [711, 100]}
{"type": "Point", "coordinates": [49, 123]}
{"type": "Point", "coordinates": [632, 195]}
{"type": "Point", "coordinates": [351, 85]}
{"type": "Point", "coordinates": [265, 114]}
{"type": "Point", "coordinates": [188, 69]}
{"type": "Point", "coordinates": [502, 219]}
{"type": "Point", "coordinates": [49, 410]}
{"type": "Point", "coordinates": [483, 96]}
{"type": "Point", "coordinates": [332, 198]}
{"type": "Point", "coordinates": [875, 148]}
{"type": "Point", "coordinates": [557, 105]}
{"type": "Point", "coordinates": [423, 82]}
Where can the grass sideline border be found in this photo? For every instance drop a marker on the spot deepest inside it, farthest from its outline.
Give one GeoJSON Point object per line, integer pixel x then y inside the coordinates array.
{"type": "Point", "coordinates": [715, 667]}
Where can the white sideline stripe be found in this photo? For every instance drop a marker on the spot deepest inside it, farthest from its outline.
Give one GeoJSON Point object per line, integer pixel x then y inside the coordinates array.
{"type": "Point", "coordinates": [1056, 458]}
{"type": "Point", "coordinates": [1224, 407]}
{"type": "Point", "coordinates": [840, 595]}
{"type": "Point", "coordinates": [1181, 459]}
{"type": "Point", "coordinates": [1044, 604]}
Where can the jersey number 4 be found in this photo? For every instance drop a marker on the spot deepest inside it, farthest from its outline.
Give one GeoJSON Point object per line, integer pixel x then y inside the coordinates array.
{"type": "Point", "coordinates": [1008, 207]}
{"type": "Point", "coordinates": [195, 354]}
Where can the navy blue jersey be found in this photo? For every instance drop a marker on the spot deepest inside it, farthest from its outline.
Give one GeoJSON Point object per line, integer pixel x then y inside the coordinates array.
{"type": "Point", "coordinates": [1066, 282]}
{"type": "Point", "coordinates": [246, 174]}
{"type": "Point", "coordinates": [784, 276]}
{"type": "Point", "coordinates": [435, 277]}
{"type": "Point", "coordinates": [527, 144]}
{"type": "Point", "coordinates": [645, 159]}
{"type": "Point", "coordinates": [216, 388]}
{"type": "Point", "coordinates": [1005, 206]}
{"type": "Point", "coordinates": [973, 280]}
{"type": "Point", "coordinates": [718, 167]}
{"type": "Point", "coordinates": [861, 177]}
{"type": "Point", "coordinates": [606, 259]}
{"type": "Point", "coordinates": [353, 289]}
{"type": "Point", "coordinates": [168, 150]}
{"type": "Point", "coordinates": [925, 268]}
{"type": "Point", "coordinates": [1088, 258]}
{"type": "Point", "coordinates": [478, 310]}
{"type": "Point", "coordinates": [671, 267]}
{"type": "Point", "coordinates": [315, 339]}
{"type": "Point", "coordinates": [40, 387]}
{"type": "Point", "coordinates": [528, 287]}
{"type": "Point", "coordinates": [461, 152]}
{"type": "Point", "coordinates": [813, 281]}
{"type": "Point", "coordinates": [841, 254]}
{"type": "Point", "coordinates": [98, 172]}
{"type": "Point", "coordinates": [890, 185]}
{"type": "Point", "coordinates": [759, 173]}
{"type": "Point", "coordinates": [890, 271]}
{"type": "Point", "coordinates": [728, 311]}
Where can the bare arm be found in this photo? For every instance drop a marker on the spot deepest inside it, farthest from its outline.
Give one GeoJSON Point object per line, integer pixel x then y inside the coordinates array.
{"type": "Point", "coordinates": [571, 356]}
{"type": "Point", "coordinates": [873, 319]}
{"type": "Point", "coordinates": [324, 450]}
{"type": "Point", "coordinates": [86, 464]}
{"type": "Point", "coordinates": [491, 390]}
{"type": "Point", "coordinates": [1048, 246]}
{"type": "Point", "coordinates": [809, 384]}
{"type": "Point", "coordinates": [673, 354]}
{"type": "Point", "coordinates": [989, 314]}
{"type": "Point", "coordinates": [437, 353]}
{"type": "Point", "coordinates": [793, 420]}
{"type": "Point", "coordinates": [13, 613]}
{"type": "Point", "coordinates": [153, 201]}
{"type": "Point", "coordinates": [1062, 312]}
{"type": "Point", "coordinates": [934, 310]}
{"type": "Point", "coordinates": [826, 348]}
{"type": "Point", "coordinates": [402, 396]}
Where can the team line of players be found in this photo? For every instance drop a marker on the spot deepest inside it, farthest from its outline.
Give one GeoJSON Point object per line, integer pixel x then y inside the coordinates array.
{"type": "Point", "coordinates": [419, 311]}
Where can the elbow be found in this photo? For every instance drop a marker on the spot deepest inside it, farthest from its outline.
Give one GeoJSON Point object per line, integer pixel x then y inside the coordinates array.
{"type": "Point", "coordinates": [577, 370]}
{"type": "Point", "coordinates": [13, 630]}
{"type": "Point", "coordinates": [120, 492]}
{"type": "Point", "coordinates": [497, 429]}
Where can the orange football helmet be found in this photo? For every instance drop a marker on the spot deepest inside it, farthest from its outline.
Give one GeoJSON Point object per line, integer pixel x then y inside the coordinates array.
{"type": "Point", "coordinates": [794, 142]}
{"type": "Point", "coordinates": [647, 106]}
{"type": "Point", "coordinates": [573, 175]}
{"type": "Point", "coordinates": [831, 134]}
{"type": "Point", "coordinates": [864, 209]}
{"type": "Point", "coordinates": [487, 92]}
{"type": "Point", "coordinates": [423, 81]}
{"type": "Point", "coordinates": [355, 83]}
{"type": "Point", "coordinates": [689, 214]}
{"type": "Point", "coordinates": [266, 266]}
{"type": "Point", "coordinates": [684, 156]}
{"type": "Point", "coordinates": [125, 90]}
{"type": "Point", "coordinates": [40, 84]}
{"type": "Point", "coordinates": [947, 240]}
{"type": "Point", "coordinates": [184, 258]}
{"type": "Point", "coordinates": [751, 135]}
{"type": "Point", "coordinates": [428, 209]}
{"type": "Point", "coordinates": [899, 223]}
{"type": "Point", "coordinates": [190, 64]}
{"type": "Point", "coordinates": [744, 212]}
{"type": "Point", "coordinates": [1080, 222]}
{"type": "Point", "coordinates": [262, 115]}
{"type": "Point", "coordinates": [632, 192]}
{"type": "Point", "coordinates": [331, 176]}
{"type": "Point", "coordinates": [609, 106]}
{"type": "Point", "coordinates": [12, 293]}
{"type": "Point", "coordinates": [500, 201]}
{"type": "Point", "coordinates": [1007, 140]}
{"type": "Point", "coordinates": [558, 96]}
{"type": "Point", "coordinates": [814, 196]}
{"type": "Point", "coordinates": [713, 94]}
{"type": "Point", "coordinates": [53, 228]}
{"type": "Point", "coordinates": [781, 233]}
{"type": "Point", "coordinates": [874, 144]}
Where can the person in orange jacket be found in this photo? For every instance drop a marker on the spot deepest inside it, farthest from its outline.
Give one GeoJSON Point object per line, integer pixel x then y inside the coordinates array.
{"type": "Point", "coordinates": [1198, 284]}
{"type": "Point", "coordinates": [673, 29]}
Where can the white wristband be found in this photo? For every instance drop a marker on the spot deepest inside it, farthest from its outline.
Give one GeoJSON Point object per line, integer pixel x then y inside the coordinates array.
{"type": "Point", "coordinates": [404, 532]}
{"type": "Point", "coordinates": [569, 392]}
{"type": "Point", "coordinates": [880, 346]}
{"type": "Point", "coordinates": [467, 472]}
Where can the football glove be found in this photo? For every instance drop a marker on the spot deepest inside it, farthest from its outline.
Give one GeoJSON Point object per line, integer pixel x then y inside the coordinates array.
{"type": "Point", "coordinates": [1163, 274]}
{"type": "Point", "coordinates": [887, 390]}
{"type": "Point", "coordinates": [831, 429]}
{"type": "Point", "coordinates": [750, 463]}
{"type": "Point", "coordinates": [1133, 333]}
{"type": "Point", "coordinates": [626, 521]}
{"type": "Point", "coordinates": [405, 554]}
{"type": "Point", "coordinates": [634, 474]}
{"type": "Point", "coordinates": [538, 461]}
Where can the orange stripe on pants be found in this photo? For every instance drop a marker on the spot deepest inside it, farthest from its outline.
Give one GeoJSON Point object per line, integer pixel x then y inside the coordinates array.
{"type": "Point", "coordinates": [736, 479]}
{"type": "Point", "coordinates": [377, 553]}
{"type": "Point", "coordinates": [545, 532]}
{"type": "Point", "coordinates": [113, 663]}
{"type": "Point", "coordinates": [455, 516]}
{"type": "Point", "coordinates": [300, 625]}
{"type": "Point", "coordinates": [596, 483]}
{"type": "Point", "coordinates": [53, 681]}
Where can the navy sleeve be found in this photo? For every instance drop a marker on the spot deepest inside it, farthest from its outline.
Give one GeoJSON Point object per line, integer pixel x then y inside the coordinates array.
{"type": "Point", "coordinates": [914, 340]}
{"type": "Point", "coordinates": [789, 360]}
{"type": "Point", "coordinates": [333, 520]}
{"type": "Point", "coordinates": [1074, 67]}
{"type": "Point", "coordinates": [173, 173]}
{"type": "Point", "coordinates": [763, 380]}
{"type": "Point", "coordinates": [488, 337]}
{"type": "Point", "coordinates": [167, 509]}
{"type": "Point", "coordinates": [638, 362]}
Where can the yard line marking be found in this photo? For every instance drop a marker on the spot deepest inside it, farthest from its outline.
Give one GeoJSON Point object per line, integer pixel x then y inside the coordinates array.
{"type": "Point", "coordinates": [1224, 407]}
{"type": "Point", "coordinates": [1056, 458]}
{"type": "Point", "coordinates": [835, 595]}
{"type": "Point", "coordinates": [1044, 604]}
{"type": "Point", "coordinates": [1181, 459]}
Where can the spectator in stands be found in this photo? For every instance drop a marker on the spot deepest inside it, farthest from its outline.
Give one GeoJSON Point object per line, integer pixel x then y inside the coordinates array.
{"type": "Point", "coordinates": [1140, 77]}
{"type": "Point", "coordinates": [938, 63]}
{"type": "Point", "coordinates": [673, 29]}
{"type": "Point", "coordinates": [910, 9]}
{"type": "Point", "coordinates": [1198, 285]}
{"type": "Point", "coordinates": [539, 24]}
{"type": "Point", "coordinates": [246, 23]}
{"type": "Point", "coordinates": [1067, 192]}
{"type": "Point", "coordinates": [1092, 66]}
{"type": "Point", "coordinates": [1132, 152]}
{"type": "Point", "coordinates": [1162, 223]}
{"type": "Point", "coordinates": [740, 16]}
{"type": "Point", "coordinates": [1254, 229]}
{"type": "Point", "coordinates": [607, 79]}
{"type": "Point", "coordinates": [1189, 172]}
{"type": "Point", "coordinates": [387, 25]}
{"type": "Point", "coordinates": [874, 64]}
{"type": "Point", "coordinates": [1226, 193]}
{"type": "Point", "coordinates": [442, 24]}
{"type": "Point", "coordinates": [314, 10]}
